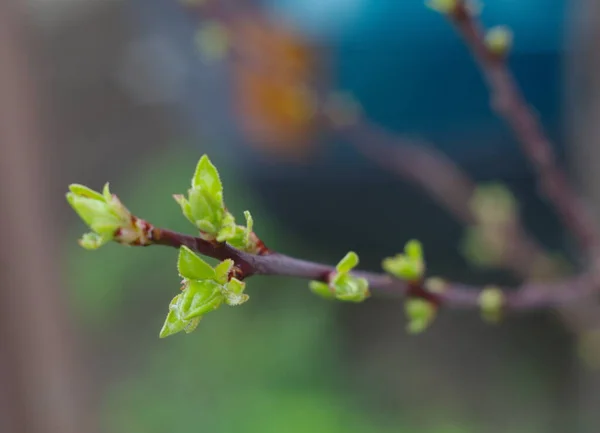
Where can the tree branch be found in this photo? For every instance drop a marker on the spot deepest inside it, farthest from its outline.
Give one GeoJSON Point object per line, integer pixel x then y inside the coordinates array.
{"type": "Point", "coordinates": [529, 296]}
{"type": "Point", "coordinates": [508, 101]}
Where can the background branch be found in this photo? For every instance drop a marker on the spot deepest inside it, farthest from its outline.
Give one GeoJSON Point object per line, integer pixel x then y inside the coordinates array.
{"type": "Point", "coordinates": [509, 103]}
{"type": "Point", "coordinates": [446, 183]}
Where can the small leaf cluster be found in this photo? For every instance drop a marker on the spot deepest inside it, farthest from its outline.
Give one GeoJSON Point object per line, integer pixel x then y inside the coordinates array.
{"type": "Point", "coordinates": [108, 218]}
{"type": "Point", "coordinates": [420, 314]}
{"type": "Point", "coordinates": [342, 285]}
{"type": "Point", "coordinates": [410, 267]}
{"type": "Point", "coordinates": [204, 289]}
{"type": "Point", "coordinates": [204, 207]}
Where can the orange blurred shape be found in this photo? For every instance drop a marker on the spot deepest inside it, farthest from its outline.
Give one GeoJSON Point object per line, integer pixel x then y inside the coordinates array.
{"type": "Point", "coordinates": [273, 74]}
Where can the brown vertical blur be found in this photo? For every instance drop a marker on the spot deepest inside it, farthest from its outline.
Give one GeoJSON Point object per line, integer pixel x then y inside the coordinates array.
{"type": "Point", "coordinates": [37, 373]}
{"type": "Point", "coordinates": [583, 116]}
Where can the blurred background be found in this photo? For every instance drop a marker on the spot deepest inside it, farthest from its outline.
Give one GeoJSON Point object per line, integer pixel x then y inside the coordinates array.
{"type": "Point", "coordinates": [135, 91]}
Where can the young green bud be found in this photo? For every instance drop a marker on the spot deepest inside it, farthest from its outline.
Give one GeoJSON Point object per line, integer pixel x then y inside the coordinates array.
{"type": "Point", "coordinates": [409, 266]}
{"type": "Point", "coordinates": [420, 313]}
{"type": "Point", "coordinates": [107, 217]}
{"type": "Point", "coordinates": [205, 208]}
{"type": "Point", "coordinates": [93, 241]}
{"type": "Point", "coordinates": [342, 285]}
{"type": "Point", "coordinates": [322, 289]}
{"type": "Point", "coordinates": [192, 267]}
{"type": "Point", "coordinates": [491, 301]}
{"type": "Point", "coordinates": [498, 40]}
{"type": "Point", "coordinates": [349, 262]}
{"type": "Point", "coordinates": [233, 292]}
{"type": "Point", "coordinates": [351, 289]}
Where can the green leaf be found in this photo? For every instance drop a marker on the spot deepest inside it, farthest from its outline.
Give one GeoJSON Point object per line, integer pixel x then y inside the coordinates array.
{"type": "Point", "coordinates": [420, 313]}
{"type": "Point", "coordinates": [349, 262]}
{"type": "Point", "coordinates": [414, 249]}
{"type": "Point", "coordinates": [350, 288]}
{"type": "Point", "coordinates": [192, 267]}
{"type": "Point", "coordinates": [409, 266]}
{"type": "Point", "coordinates": [342, 285]}
{"type": "Point", "coordinates": [206, 307]}
{"type": "Point", "coordinates": [196, 293]}
{"type": "Point", "coordinates": [93, 241]}
{"type": "Point", "coordinates": [222, 271]}
{"type": "Point", "coordinates": [106, 226]}
{"type": "Point", "coordinates": [402, 267]}
{"type": "Point", "coordinates": [227, 233]}
{"type": "Point", "coordinates": [199, 298]}
{"type": "Point", "coordinates": [173, 324]}
{"type": "Point", "coordinates": [249, 227]}
{"type": "Point", "coordinates": [354, 290]}
{"type": "Point", "coordinates": [89, 209]}
{"type": "Point", "coordinates": [192, 324]}
{"type": "Point", "coordinates": [206, 226]}
{"type": "Point", "coordinates": [228, 228]}
{"type": "Point", "coordinates": [321, 289]}
{"type": "Point", "coordinates": [202, 208]}
{"type": "Point", "coordinates": [84, 191]}
{"type": "Point", "coordinates": [207, 177]}
{"type": "Point", "coordinates": [186, 208]}
{"type": "Point", "coordinates": [237, 239]}
{"type": "Point", "coordinates": [234, 292]}
{"type": "Point", "coordinates": [106, 193]}
{"type": "Point", "coordinates": [236, 286]}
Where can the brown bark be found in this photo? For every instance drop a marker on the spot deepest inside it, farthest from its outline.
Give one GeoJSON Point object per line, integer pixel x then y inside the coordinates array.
{"type": "Point", "coordinates": [38, 374]}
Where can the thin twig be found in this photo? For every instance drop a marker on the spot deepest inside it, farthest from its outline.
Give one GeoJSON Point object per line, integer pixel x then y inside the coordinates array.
{"type": "Point", "coordinates": [529, 296]}
{"type": "Point", "coordinates": [509, 103]}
